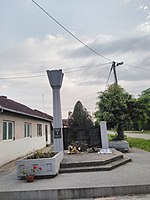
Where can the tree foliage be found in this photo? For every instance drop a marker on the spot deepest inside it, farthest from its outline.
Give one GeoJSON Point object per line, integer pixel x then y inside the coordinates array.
{"type": "Point", "coordinates": [113, 106]}
{"type": "Point", "coordinates": [121, 111]}
{"type": "Point", "coordinates": [80, 117]}
{"type": "Point", "coordinates": [144, 101]}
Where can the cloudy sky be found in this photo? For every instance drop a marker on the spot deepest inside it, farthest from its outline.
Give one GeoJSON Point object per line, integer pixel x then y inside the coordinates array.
{"type": "Point", "coordinates": [31, 43]}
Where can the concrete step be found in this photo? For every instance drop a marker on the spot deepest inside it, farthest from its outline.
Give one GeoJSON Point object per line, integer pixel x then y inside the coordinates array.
{"type": "Point", "coordinates": [90, 163]}
{"type": "Point", "coordinates": [90, 168]}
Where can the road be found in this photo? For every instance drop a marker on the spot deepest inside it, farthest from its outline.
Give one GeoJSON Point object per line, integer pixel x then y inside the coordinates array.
{"type": "Point", "coordinates": [134, 135]}
{"type": "Point", "coordinates": [138, 135]}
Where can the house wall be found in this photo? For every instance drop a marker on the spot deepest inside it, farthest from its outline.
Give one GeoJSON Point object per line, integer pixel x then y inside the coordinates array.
{"type": "Point", "coordinates": [11, 150]}
{"type": "Point", "coordinates": [20, 146]}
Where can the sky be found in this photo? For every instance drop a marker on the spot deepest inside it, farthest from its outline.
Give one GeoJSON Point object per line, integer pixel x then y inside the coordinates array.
{"type": "Point", "coordinates": [31, 42]}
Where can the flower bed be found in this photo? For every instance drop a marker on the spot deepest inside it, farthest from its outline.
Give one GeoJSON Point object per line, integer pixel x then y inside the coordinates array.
{"type": "Point", "coordinates": [48, 166]}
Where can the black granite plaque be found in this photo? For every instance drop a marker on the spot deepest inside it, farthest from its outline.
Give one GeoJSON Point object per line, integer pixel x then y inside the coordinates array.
{"type": "Point", "coordinates": [57, 133]}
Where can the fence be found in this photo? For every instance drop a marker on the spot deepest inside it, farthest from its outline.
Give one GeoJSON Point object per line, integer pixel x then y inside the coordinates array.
{"type": "Point", "coordinates": [92, 136]}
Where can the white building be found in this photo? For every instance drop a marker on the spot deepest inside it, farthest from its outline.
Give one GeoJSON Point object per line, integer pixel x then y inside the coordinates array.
{"type": "Point", "coordinates": [22, 130]}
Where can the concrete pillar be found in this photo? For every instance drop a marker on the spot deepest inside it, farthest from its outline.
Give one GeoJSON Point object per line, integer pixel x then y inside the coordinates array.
{"type": "Point", "coordinates": [55, 78]}
{"type": "Point", "coordinates": [104, 138]}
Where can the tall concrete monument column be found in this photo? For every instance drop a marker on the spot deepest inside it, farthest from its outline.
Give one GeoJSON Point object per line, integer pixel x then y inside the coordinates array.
{"type": "Point", "coordinates": [55, 78]}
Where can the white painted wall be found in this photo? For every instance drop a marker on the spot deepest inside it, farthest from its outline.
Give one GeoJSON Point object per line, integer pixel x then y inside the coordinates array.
{"type": "Point", "coordinates": [10, 150]}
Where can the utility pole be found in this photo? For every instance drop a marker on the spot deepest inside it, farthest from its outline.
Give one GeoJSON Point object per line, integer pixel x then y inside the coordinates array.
{"type": "Point", "coordinates": [114, 65]}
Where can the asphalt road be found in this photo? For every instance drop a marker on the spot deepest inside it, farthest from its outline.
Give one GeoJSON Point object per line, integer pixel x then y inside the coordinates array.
{"type": "Point", "coordinates": [139, 135]}
{"type": "Point", "coordinates": [134, 135]}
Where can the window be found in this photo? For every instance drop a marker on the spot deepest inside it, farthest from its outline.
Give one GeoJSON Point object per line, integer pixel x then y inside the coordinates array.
{"type": "Point", "coordinates": [27, 129]}
{"type": "Point", "coordinates": [8, 130]}
{"type": "Point", "coordinates": [46, 133]}
{"type": "Point", "coordinates": [39, 129]}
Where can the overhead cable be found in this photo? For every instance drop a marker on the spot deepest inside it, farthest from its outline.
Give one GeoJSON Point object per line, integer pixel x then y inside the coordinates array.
{"type": "Point", "coordinates": [91, 49]}
{"type": "Point", "coordinates": [67, 72]}
{"type": "Point", "coordinates": [42, 75]}
{"type": "Point", "coordinates": [109, 75]}
{"type": "Point", "coordinates": [86, 68]}
{"type": "Point", "coordinates": [22, 77]}
{"type": "Point", "coordinates": [137, 67]}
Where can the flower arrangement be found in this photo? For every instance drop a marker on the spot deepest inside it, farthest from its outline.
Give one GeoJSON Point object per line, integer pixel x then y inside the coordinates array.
{"type": "Point", "coordinates": [39, 154]}
{"type": "Point", "coordinates": [29, 174]}
{"type": "Point", "coordinates": [35, 169]}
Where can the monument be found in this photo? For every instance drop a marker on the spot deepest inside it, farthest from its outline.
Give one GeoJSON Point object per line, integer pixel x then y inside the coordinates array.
{"type": "Point", "coordinates": [104, 138]}
{"type": "Point", "coordinates": [55, 78]}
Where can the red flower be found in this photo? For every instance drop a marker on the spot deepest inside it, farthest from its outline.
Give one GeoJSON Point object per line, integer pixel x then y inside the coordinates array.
{"type": "Point", "coordinates": [40, 168]}
{"type": "Point", "coordinates": [34, 167]}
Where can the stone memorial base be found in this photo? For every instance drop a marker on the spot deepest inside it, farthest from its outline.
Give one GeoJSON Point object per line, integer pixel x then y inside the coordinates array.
{"type": "Point", "coordinates": [119, 145]}
{"type": "Point", "coordinates": [88, 162]}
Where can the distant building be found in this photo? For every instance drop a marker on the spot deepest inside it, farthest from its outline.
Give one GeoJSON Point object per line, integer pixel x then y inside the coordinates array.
{"type": "Point", "coordinates": [65, 123]}
{"type": "Point", "coordinates": [22, 130]}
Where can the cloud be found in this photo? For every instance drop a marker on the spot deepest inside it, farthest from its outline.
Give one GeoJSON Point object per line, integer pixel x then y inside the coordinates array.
{"type": "Point", "coordinates": [127, 1]}
{"type": "Point", "coordinates": [142, 6]}
{"type": "Point", "coordinates": [135, 88]}
{"type": "Point", "coordinates": [126, 44]}
{"type": "Point", "coordinates": [85, 75]}
{"type": "Point", "coordinates": [145, 7]}
{"type": "Point", "coordinates": [145, 27]}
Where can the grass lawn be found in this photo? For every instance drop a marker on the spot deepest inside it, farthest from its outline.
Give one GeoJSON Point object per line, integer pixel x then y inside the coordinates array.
{"type": "Point", "coordinates": [139, 143]}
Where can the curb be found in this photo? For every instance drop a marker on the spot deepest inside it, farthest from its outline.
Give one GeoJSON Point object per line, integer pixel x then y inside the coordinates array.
{"type": "Point", "coordinates": [76, 193]}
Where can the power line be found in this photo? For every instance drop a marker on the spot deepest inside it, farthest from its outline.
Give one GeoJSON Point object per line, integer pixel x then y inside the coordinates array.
{"type": "Point", "coordinates": [16, 73]}
{"type": "Point", "coordinates": [42, 75]}
{"type": "Point", "coordinates": [108, 76]}
{"type": "Point", "coordinates": [22, 77]}
{"type": "Point", "coordinates": [86, 68]}
{"type": "Point", "coordinates": [137, 67]}
{"type": "Point", "coordinates": [91, 49]}
{"type": "Point", "coordinates": [67, 72]}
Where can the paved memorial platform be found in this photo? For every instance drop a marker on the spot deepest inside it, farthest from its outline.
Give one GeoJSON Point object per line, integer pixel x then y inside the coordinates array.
{"type": "Point", "coordinates": [131, 178]}
{"type": "Point", "coordinates": [88, 162]}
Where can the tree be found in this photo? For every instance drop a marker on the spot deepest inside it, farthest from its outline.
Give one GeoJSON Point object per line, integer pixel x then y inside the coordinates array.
{"type": "Point", "coordinates": [80, 117]}
{"type": "Point", "coordinates": [113, 107]}
{"type": "Point", "coordinates": [144, 101]}
{"type": "Point", "coordinates": [135, 115]}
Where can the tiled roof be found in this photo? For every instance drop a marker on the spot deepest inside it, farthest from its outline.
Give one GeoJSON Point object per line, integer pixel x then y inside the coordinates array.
{"type": "Point", "coordinates": [65, 122]}
{"type": "Point", "coordinates": [13, 106]}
